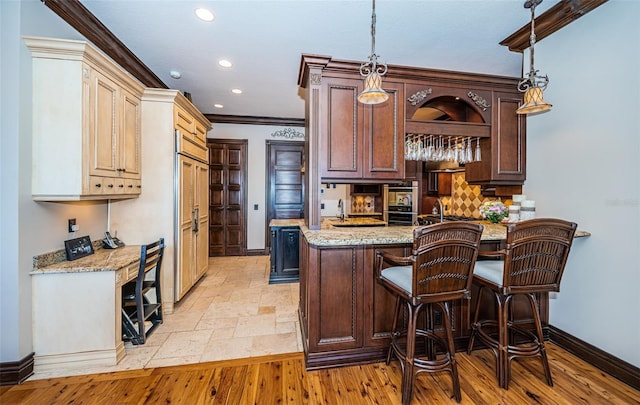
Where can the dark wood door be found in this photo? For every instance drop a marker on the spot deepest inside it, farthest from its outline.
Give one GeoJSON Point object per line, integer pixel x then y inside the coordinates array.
{"type": "Point", "coordinates": [228, 196]}
{"type": "Point", "coordinates": [285, 187]}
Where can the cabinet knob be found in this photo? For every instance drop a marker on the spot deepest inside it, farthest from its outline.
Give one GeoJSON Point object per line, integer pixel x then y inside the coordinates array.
{"type": "Point", "coordinates": [130, 186]}
{"type": "Point", "coordinates": [121, 185]}
{"type": "Point", "coordinates": [110, 186]}
{"type": "Point", "coordinates": [98, 185]}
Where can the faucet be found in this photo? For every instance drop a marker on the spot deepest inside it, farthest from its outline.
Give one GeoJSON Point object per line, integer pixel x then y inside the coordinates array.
{"type": "Point", "coordinates": [441, 210]}
{"type": "Point", "coordinates": [341, 208]}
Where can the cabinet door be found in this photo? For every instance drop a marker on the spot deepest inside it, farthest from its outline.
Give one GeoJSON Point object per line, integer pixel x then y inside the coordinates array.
{"type": "Point", "coordinates": [383, 142]}
{"type": "Point", "coordinates": [379, 318]}
{"type": "Point", "coordinates": [341, 140]}
{"type": "Point", "coordinates": [335, 292]}
{"type": "Point", "coordinates": [504, 154]}
{"type": "Point", "coordinates": [185, 250]}
{"type": "Point", "coordinates": [104, 127]}
{"type": "Point", "coordinates": [289, 238]}
{"type": "Point", "coordinates": [201, 204]}
{"type": "Point", "coordinates": [129, 148]}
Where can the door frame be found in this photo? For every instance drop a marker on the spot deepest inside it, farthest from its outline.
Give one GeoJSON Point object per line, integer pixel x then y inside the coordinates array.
{"type": "Point", "coordinates": [267, 192]}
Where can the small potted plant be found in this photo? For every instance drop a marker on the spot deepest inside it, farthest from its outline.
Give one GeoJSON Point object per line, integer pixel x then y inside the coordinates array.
{"type": "Point", "coordinates": [494, 211]}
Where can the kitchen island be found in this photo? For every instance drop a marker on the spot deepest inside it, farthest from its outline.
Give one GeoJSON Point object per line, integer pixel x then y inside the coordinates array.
{"type": "Point", "coordinates": [345, 314]}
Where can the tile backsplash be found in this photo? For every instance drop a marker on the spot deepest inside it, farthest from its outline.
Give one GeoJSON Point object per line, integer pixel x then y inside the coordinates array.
{"type": "Point", "coordinates": [466, 199]}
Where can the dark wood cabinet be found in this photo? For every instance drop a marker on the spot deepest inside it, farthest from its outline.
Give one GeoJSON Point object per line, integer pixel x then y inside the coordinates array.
{"type": "Point", "coordinates": [438, 183]}
{"type": "Point", "coordinates": [361, 141]}
{"type": "Point", "coordinates": [504, 153]}
{"type": "Point", "coordinates": [285, 247]}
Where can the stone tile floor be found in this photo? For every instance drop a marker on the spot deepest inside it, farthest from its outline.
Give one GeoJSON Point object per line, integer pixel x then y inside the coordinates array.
{"type": "Point", "coordinates": [232, 312]}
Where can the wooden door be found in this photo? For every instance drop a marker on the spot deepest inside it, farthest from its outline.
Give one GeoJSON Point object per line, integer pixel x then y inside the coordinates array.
{"type": "Point", "coordinates": [285, 187]}
{"type": "Point", "coordinates": [227, 197]}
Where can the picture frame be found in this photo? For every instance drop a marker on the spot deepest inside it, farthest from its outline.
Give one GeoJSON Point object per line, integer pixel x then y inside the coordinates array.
{"type": "Point", "coordinates": [78, 247]}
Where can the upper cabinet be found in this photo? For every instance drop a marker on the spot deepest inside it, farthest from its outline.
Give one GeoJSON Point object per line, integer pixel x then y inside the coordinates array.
{"type": "Point", "coordinates": [505, 150]}
{"type": "Point", "coordinates": [361, 141]}
{"type": "Point", "coordinates": [86, 124]}
{"type": "Point", "coordinates": [356, 141]}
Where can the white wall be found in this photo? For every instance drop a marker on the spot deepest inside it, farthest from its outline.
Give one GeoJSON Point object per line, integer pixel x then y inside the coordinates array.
{"type": "Point", "coordinates": [257, 135]}
{"type": "Point", "coordinates": [583, 165]}
{"type": "Point", "coordinates": [27, 228]}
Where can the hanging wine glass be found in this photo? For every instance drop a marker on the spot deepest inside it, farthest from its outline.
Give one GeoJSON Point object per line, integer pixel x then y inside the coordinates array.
{"type": "Point", "coordinates": [469, 153]}
{"type": "Point", "coordinates": [478, 156]}
{"type": "Point", "coordinates": [461, 156]}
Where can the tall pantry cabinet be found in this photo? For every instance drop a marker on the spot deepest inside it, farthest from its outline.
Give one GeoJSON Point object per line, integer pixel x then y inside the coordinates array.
{"type": "Point", "coordinates": [175, 202]}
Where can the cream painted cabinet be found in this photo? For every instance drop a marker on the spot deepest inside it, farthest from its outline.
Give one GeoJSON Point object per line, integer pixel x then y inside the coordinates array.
{"type": "Point", "coordinates": [86, 124]}
{"type": "Point", "coordinates": [193, 207]}
{"type": "Point", "coordinates": [175, 202]}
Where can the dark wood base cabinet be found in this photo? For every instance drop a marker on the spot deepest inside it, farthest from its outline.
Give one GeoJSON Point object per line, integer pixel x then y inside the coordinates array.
{"type": "Point", "coordinates": [346, 315]}
{"type": "Point", "coordinates": [284, 254]}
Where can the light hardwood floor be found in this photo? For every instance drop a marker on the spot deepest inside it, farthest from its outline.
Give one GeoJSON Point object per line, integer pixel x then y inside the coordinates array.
{"type": "Point", "coordinates": [280, 379]}
{"type": "Point", "coordinates": [250, 353]}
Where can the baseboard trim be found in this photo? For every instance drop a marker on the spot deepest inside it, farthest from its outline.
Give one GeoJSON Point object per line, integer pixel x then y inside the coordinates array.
{"type": "Point", "coordinates": [617, 368]}
{"type": "Point", "coordinates": [258, 252]}
{"type": "Point", "coordinates": [16, 372]}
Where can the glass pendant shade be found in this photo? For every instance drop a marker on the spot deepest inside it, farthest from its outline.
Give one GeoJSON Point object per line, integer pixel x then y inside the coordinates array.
{"type": "Point", "coordinates": [534, 103]}
{"type": "Point", "coordinates": [373, 93]}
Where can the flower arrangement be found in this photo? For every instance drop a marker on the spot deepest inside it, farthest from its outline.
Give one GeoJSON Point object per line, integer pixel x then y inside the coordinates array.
{"type": "Point", "coordinates": [494, 211]}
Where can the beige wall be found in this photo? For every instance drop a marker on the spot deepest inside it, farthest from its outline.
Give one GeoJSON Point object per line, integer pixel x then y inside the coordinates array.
{"type": "Point", "coordinates": [583, 165]}
{"type": "Point", "coordinates": [27, 228]}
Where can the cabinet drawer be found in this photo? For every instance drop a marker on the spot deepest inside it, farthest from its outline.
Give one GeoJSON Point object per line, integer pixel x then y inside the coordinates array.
{"type": "Point", "coordinates": [130, 272]}
{"type": "Point", "coordinates": [191, 146]}
{"type": "Point", "coordinates": [132, 186]}
{"type": "Point", "coordinates": [184, 121]}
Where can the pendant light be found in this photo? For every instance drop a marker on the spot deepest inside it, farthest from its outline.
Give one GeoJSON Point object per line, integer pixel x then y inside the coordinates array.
{"type": "Point", "coordinates": [533, 85]}
{"type": "Point", "coordinates": [372, 72]}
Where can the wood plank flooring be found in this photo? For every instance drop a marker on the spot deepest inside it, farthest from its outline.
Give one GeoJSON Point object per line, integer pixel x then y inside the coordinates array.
{"type": "Point", "coordinates": [280, 379]}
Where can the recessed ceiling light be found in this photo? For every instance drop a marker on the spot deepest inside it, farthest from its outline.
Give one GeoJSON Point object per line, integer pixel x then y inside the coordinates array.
{"type": "Point", "coordinates": [225, 63]}
{"type": "Point", "coordinates": [218, 106]}
{"type": "Point", "coordinates": [204, 14]}
{"type": "Point", "coordinates": [236, 91]}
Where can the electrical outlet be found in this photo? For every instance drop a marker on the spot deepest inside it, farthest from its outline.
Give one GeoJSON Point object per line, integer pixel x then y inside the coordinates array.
{"type": "Point", "coordinates": [72, 225]}
{"type": "Point", "coordinates": [255, 207]}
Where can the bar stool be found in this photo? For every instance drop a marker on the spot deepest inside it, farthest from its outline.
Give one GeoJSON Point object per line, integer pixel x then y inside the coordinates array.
{"type": "Point", "coordinates": [533, 262]}
{"type": "Point", "coordinates": [438, 271]}
{"type": "Point", "coordinates": [141, 298]}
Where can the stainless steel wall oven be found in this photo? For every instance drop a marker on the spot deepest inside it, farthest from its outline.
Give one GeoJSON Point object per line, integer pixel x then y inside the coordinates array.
{"type": "Point", "coordinates": [401, 204]}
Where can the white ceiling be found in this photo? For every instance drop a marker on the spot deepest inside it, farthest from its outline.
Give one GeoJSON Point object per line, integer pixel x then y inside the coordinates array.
{"type": "Point", "coordinates": [265, 40]}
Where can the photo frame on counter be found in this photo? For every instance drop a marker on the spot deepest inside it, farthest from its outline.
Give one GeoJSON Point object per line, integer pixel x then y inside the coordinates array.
{"type": "Point", "coordinates": [78, 247]}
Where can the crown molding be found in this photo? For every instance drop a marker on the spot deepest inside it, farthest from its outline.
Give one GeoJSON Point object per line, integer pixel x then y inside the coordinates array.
{"type": "Point", "coordinates": [252, 120]}
{"type": "Point", "coordinates": [558, 16]}
{"type": "Point", "coordinates": [80, 18]}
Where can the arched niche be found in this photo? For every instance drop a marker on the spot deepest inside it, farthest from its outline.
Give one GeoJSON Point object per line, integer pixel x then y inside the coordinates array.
{"type": "Point", "coordinates": [447, 108]}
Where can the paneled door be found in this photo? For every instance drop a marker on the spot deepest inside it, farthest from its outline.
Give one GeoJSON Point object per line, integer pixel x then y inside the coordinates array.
{"type": "Point", "coordinates": [227, 197]}
{"type": "Point", "coordinates": [285, 181]}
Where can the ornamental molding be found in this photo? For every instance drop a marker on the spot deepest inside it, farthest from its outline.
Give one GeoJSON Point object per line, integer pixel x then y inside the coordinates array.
{"type": "Point", "coordinates": [419, 96]}
{"type": "Point", "coordinates": [288, 133]}
{"type": "Point", "coordinates": [315, 78]}
{"type": "Point", "coordinates": [480, 102]}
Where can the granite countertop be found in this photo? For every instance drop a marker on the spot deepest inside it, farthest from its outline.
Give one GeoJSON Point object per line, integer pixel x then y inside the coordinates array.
{"type": "Point", "coordinates": [331, 236]}
{"type": "Point", "coordinates": [101, 260]}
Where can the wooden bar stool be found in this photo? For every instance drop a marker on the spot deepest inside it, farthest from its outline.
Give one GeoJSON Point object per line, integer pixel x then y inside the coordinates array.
{"type": "Point", "coordinates": [533, 262]}
{"type": "Point", "coordinates": [438, 271]}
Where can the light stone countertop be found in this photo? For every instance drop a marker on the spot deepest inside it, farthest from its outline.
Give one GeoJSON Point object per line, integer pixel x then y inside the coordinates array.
{"type": "Point", "coordinates": [101, 260]}
{"type": "Point", "coordinates": [329, 235]}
